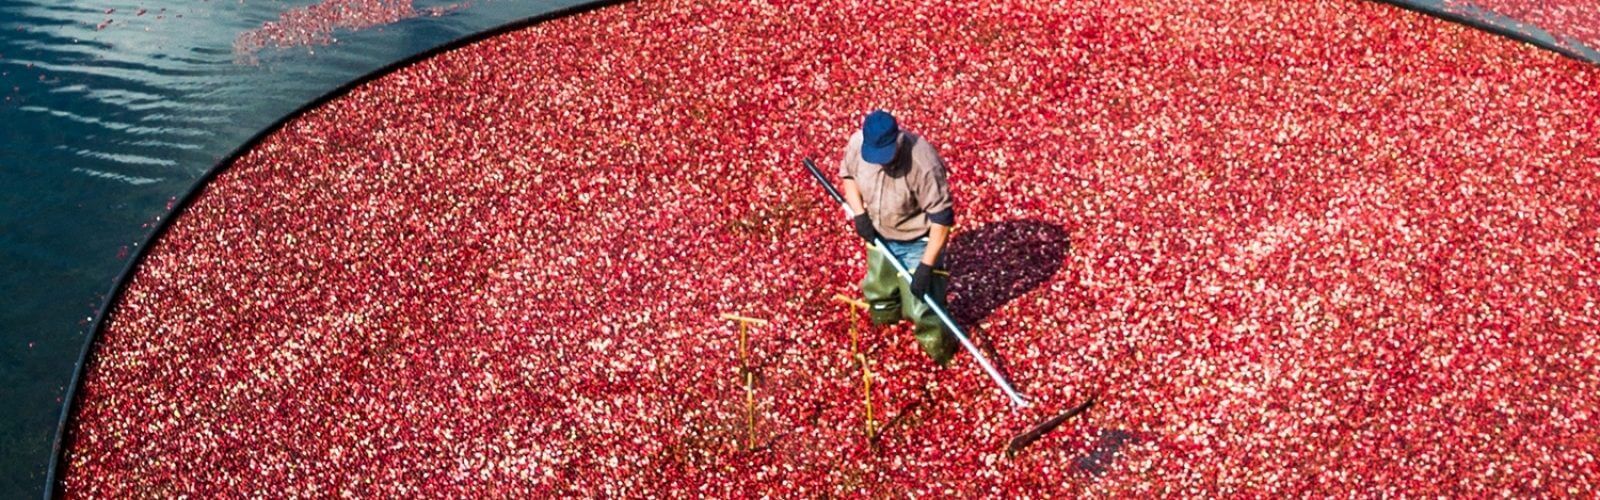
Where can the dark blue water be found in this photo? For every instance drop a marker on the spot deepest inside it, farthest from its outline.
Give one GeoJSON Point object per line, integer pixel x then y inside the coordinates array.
{"type": "Point", "coordinates": [100, 128]}
{"type": "Point", "coordinates": [1481, 17]}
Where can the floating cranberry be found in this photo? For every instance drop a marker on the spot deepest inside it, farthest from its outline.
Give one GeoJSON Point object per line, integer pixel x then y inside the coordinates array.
{"type": "Point", "coordinates": [1294, 247]}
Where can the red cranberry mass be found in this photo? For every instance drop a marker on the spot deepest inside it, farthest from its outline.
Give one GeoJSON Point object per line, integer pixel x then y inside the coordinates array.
{"type": "Point", "coordinates": [1295, 247]}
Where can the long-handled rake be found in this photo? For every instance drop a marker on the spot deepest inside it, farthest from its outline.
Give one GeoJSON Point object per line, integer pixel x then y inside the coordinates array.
{"type": "Point", "coordinates": [1022, 439]}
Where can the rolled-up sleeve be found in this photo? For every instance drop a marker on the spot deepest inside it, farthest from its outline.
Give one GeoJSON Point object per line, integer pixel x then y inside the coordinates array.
{"type": "Point", "coordinates": [932, 188]}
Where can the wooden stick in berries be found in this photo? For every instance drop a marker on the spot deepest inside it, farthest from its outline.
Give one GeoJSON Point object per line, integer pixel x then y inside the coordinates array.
{"type": "Point", "coordinates": [860, 356]}
{"type": "Point", "coordinates": [749, 377]}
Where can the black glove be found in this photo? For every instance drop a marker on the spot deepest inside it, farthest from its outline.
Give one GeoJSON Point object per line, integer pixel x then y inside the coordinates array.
{"type": "Point", "coordinates": [865, 229]}
{"type": "Point", "coordinates": [921, 280]}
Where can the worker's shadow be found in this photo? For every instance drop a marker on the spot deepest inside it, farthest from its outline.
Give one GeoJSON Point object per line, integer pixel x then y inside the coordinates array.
{"type": "Point", "coordinates": [995, 263]}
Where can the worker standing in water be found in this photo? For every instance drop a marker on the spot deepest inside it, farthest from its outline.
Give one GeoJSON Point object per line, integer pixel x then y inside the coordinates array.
{"type": "Point", "coordinates": [895, 182]}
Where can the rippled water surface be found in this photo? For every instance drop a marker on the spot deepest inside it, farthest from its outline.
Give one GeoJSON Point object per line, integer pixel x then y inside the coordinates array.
{"type": "Point", "coordinates": [111, 110]}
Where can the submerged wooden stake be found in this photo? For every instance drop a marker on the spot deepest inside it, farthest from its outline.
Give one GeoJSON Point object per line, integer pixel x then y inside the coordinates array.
{"type": "Point", "coordinates": [854, 319]}
{"type": "Point", "coordinates": [749, 377]}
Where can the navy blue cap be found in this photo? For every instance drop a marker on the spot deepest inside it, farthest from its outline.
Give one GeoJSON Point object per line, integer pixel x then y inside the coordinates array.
{"type": "Point", "coordinates": [878, 134]}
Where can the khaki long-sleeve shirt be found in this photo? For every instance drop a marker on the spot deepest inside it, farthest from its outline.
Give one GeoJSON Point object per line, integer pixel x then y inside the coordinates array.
{"type": "Point", "coordinates": [904, 197]}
